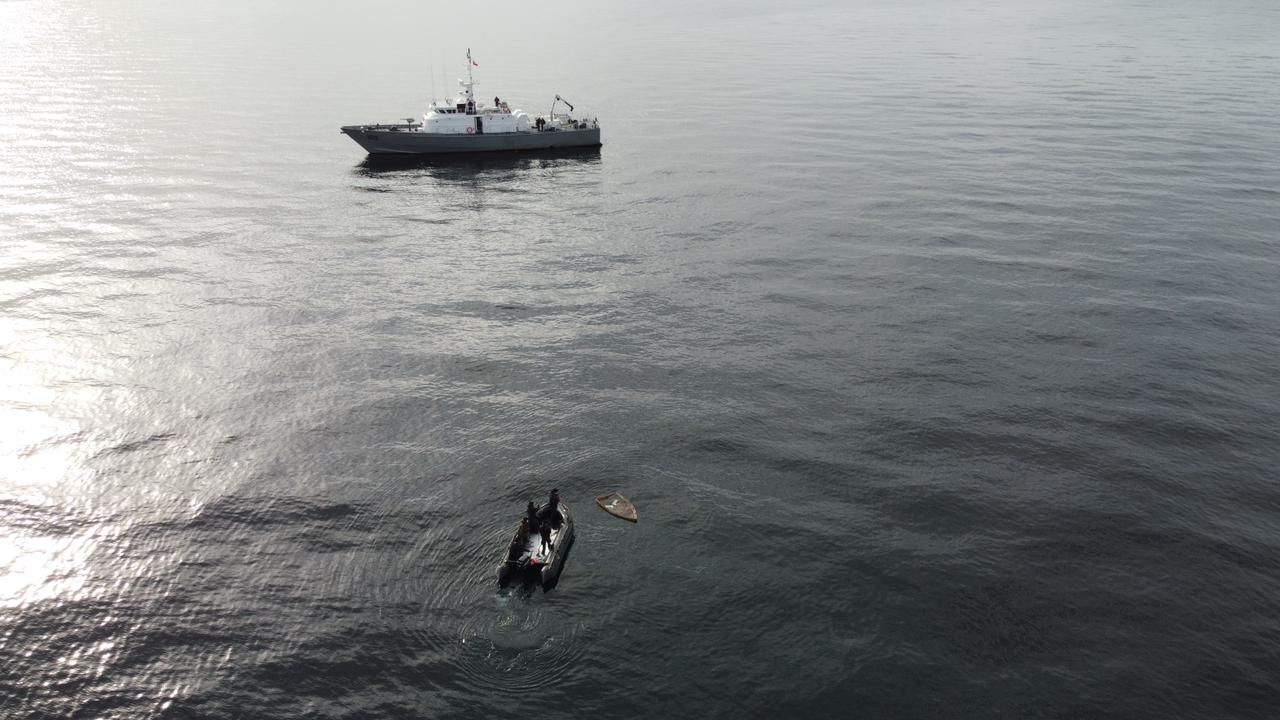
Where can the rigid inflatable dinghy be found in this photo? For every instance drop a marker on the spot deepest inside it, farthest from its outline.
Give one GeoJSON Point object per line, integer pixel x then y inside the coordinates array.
{"type": "Point", "coordinates": [531, 565]}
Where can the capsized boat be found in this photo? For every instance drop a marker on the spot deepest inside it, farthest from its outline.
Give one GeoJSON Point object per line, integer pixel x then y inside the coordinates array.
{"type": "Point", "coordinates": [530, 564]}
{"type": "Point", "coordinates": [617, 505]}
{"type": "Point", "coordinates": [464, 125]}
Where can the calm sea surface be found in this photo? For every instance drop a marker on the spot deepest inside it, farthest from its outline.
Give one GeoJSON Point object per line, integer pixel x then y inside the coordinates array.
{"type": "Point", "coordinates": [936, 343]}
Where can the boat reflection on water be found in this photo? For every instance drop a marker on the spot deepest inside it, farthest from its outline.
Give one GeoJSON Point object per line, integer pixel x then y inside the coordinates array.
{"type": "Point", "coordinates": [466, 168]}
{"type": "Point", "coordinates": [525, 183]}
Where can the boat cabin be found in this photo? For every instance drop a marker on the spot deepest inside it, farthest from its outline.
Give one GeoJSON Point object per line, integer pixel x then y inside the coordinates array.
{"type": "Point", "coordinates": [462, 115]}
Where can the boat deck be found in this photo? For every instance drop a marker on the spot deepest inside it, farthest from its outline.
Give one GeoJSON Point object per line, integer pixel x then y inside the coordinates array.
{"type": "Point", "coordinates": [533, 549]}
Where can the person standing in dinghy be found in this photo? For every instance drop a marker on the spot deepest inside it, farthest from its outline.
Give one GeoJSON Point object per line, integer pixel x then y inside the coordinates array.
{"type": "Point", "coordinates": [550, 513]}
{"type": "Point", "coordinates": [531, 514]}
{"type": "Point", "coordinates": [549, 517]}
{"type": "Point", "coordinates": [545, 530]}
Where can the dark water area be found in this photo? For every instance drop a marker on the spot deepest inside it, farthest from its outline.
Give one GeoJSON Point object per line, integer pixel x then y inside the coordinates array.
{"type": "Point", "coordinates": [934, 341]}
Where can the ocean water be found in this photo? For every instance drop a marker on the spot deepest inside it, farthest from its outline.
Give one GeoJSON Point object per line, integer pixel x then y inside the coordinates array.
{"type": "Point", "coordinates": [935, 343]}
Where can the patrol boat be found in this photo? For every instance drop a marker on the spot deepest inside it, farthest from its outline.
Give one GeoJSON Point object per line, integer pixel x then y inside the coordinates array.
{"type": "Point", "coordinates": [463, 125]}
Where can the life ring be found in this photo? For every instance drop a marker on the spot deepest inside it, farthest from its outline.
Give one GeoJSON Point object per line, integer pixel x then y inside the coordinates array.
{"type": "Point", "coordinates": [471, 131]}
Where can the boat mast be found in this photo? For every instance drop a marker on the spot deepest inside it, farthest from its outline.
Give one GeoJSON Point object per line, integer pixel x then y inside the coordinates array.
{"type": "Point", "coordinates": [471, 83]}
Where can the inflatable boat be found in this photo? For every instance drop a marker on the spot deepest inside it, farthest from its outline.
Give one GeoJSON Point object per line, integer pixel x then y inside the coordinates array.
{"type": "Point", "coordinates": [530, 564]}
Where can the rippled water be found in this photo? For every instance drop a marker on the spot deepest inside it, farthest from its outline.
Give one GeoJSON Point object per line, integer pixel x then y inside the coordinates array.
{"type": "Point", "coordinates": [934, 341]}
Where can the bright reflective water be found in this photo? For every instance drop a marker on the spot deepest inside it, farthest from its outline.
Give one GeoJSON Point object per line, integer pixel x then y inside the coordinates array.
{"type": "Point", "coordinates": [934, 341]}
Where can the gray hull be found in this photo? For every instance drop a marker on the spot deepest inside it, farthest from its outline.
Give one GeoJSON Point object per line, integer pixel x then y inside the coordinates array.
{"type": "Point", "coordinates": [384, 140]}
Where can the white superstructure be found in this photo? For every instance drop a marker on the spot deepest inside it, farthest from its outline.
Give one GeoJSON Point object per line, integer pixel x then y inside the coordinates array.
{"type": "Point", "coordinates": [463, 115]}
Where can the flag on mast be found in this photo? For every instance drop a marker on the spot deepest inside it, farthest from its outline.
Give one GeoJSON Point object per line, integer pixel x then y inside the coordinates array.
{"type": "Point", "coordinates": [473, 62]}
